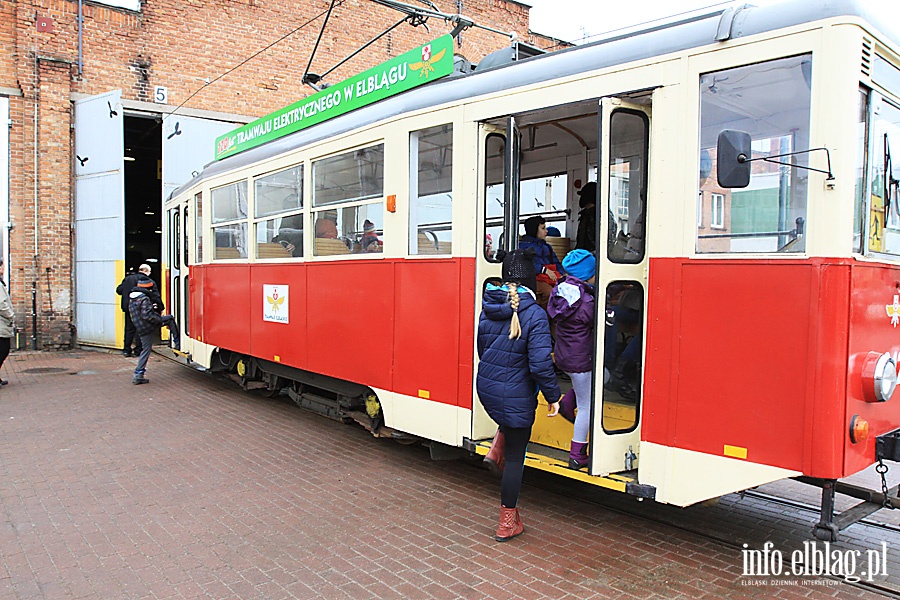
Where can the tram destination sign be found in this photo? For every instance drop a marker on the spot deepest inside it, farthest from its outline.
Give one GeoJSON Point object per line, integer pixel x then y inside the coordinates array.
{"type": "Point", "coordinates": [409, 70]}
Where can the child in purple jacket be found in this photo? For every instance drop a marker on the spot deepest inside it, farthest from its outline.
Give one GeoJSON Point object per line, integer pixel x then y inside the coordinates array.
{"type": "Point", "coordinates": [572, 309]}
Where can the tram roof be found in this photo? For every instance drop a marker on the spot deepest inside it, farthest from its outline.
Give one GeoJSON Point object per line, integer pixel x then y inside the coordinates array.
{"type": "Point", "coordinates": [691, 32]}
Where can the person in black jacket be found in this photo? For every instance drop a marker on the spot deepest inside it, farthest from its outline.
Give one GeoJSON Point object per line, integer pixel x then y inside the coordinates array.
{"type": "Point", "coordinates": [142, 304]}
{"type": "Point", "coordinates": [131, 336]}
{"type": "Point", "coordinates": [585, 238]}
{"type": "Point", "coordinates": [514, 363]}
{"type": "Point", "coordinates": [123, 290]}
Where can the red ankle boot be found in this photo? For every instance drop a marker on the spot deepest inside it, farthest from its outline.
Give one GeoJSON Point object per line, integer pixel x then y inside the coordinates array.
{"type": "Point", "coordinates": [495, 460]}
{"type": "Point", "coordinates": [510, 524]}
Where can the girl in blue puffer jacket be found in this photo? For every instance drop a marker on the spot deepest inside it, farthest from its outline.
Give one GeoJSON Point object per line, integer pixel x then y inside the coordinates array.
{"type": "Point", "coordinates": [514, 350]}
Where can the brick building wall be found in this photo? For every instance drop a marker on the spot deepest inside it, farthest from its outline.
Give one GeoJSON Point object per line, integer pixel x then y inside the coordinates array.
{"type": "Point", "coordinates": [177, 44]}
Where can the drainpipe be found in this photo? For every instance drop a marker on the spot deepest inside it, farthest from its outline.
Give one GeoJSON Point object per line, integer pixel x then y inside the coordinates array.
{"type": "Point", "coordinates": [80, 29]}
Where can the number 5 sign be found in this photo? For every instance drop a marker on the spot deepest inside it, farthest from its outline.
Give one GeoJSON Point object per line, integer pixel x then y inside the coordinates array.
{"type": "Point", "coordinates": [161, 94]}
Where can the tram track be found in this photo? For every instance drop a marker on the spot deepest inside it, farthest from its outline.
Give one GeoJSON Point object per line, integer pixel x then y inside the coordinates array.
{"type": "Point", "coordinates": [815, 509]}
{"type": "Point", "coordinates": [614, 503]}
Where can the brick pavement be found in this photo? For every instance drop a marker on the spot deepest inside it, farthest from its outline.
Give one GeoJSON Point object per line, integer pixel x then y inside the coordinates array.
{"type": "Point", "coordinates": [191, 488]}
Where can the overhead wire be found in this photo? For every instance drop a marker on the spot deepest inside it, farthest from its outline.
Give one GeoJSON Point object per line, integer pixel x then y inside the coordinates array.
{"type": "Point", "coordinates": [336, 4]}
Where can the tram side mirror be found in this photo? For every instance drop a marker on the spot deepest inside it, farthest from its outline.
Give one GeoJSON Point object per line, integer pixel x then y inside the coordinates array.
{"type": "Point", "coordinates": [732, 152]}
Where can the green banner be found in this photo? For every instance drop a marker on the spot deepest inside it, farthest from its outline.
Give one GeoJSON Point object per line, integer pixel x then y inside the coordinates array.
{"type": "Point", "coordinates": [412, 69]}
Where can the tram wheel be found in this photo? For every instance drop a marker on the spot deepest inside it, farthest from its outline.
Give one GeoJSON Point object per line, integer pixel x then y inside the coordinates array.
{"type": "Point", "coordinates": [241, 368]}
{"type": "Point", "coordinates": [273, 387]}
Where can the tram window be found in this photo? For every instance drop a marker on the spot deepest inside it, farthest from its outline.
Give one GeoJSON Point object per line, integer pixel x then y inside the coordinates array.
{"type": "Point", "coordinates": [278, 192]}
{"type": "Point", "coordinates": [627, 186]}
{"type": "Point", "coordinates": [349, 230]}
{"type": "Point", "coordinates": [354, 175]}
{"type": "Point", "coordinates": [884, 216]}
{"type": "Point", "coordinates": [176, 235]}
{"type": "Point", "coordinates": [495, 149]}
{"type": "Point", "coordinates": [229, 202]}
{"type": "Point", "coordinates": [198, 227]}
{"type": "Point", "coordinates": [186, 244]}
{"type": "Point", "coordinates": [431, 190]}
{"type": "Point", "coordinates": [281, 237]}
{"type": "Point", "coordinates": [231, 241]}
{"type": "Point", "coordinates": [546, 196]}
{"type": "Point", "coordinates": [771, 102]}
{"type": "Point", "coordinates": [622, 355]}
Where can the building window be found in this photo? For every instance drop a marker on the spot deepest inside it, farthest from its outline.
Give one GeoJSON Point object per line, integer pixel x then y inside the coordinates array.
{"type": "Point", "coordinates": [431, 190]}
{"type": "Point", "coordinates": [700, 209]}
{"type": "Point", "coordinates": [717, 203]}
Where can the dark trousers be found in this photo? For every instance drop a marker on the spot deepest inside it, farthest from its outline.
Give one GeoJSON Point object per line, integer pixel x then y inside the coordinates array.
{"type": "Point", "coordinates": [169, 321]}
{"type": "Point", "coordinates": [146, 342]}
{"type": "Point", "coordinates": [131, 335]}
{"type": "Point", "coordinates": [4, 349]}
{"type": "Point", "coordinates": [516, 442]}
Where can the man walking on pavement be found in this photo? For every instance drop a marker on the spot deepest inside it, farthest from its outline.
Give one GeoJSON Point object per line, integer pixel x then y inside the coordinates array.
{"type": "Point", "coordinates": [143, 304]}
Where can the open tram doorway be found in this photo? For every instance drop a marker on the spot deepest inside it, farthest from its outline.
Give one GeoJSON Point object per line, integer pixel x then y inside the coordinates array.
{"type": "Point", "coordinates": [539, 164]}
{"type": "Point", "coordinates": [143, 193]}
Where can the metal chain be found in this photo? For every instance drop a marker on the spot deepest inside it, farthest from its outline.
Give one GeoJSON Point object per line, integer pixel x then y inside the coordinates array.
{"type": "Point", "coordinates": [882, 470]}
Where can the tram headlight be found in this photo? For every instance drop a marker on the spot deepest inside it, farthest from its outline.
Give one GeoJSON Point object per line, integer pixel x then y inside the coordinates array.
{"type": "Point", "coordinates": [879, 377]}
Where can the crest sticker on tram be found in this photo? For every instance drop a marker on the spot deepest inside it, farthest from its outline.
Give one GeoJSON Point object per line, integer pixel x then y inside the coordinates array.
{"type": "Point", "coordinates": [275, 303]}
{"type": "Point", "coordinates": [893, 310]}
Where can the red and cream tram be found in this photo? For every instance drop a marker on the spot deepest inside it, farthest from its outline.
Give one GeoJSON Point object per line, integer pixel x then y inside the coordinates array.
{"type": "Point", "coordinates": [746, 203]}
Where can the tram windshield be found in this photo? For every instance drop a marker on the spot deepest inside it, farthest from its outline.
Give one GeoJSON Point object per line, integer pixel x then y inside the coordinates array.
{"type": "Point", "coordinates": [771, 102]}
{"type": "Point", "coordinates": [884, 213]}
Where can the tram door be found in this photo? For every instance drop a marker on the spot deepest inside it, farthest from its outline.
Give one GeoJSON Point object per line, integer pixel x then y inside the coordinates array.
{"type": "Point", "coordinates": [622, 280]}
{"type": "Point", "coordinates": [175, 245]}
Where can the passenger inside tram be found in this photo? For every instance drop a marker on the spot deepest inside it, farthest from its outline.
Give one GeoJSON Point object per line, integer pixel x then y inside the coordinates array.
{"type": "Point", "coordinates": [622, 348]}
{"type": "Point", "coordinates": [326, 228]}
{"type": "Point", "coordinates": [290, 234]}
{"type": "Point", "coordinates": [546, 264]}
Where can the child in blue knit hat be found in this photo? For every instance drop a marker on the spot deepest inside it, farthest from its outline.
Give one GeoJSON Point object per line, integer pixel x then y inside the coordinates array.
{"type": "Point", "coordinates": [571, 307]}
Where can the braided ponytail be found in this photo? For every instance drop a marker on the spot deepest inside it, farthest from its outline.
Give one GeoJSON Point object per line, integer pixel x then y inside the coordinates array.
{"type": "Point", "coordinates": [515, 328]}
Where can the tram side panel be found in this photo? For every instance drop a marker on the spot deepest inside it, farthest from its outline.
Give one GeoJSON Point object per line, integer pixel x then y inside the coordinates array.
{"type": "Point", "coordinates": [746, 366]}
{"type": "Point", "coordinates": [350, 321]}
{"type": "Point", "coordinates": [874, 330]}
{"type": "Point", "coordinates": [195, 303]}
{"type": "Point", "coordinates": [433, 352]}
{"type": "Point", "coordinates": [279, 314]}
{"type": "Point", "coordinates": [402, 326]}
{"type": "Point", "coordinates": [226, 304]}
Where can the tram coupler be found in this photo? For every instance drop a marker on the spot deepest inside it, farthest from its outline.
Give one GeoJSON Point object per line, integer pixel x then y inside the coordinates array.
{"type": "Point", "coordinates": [826, 529]}
{"type": "Point", "coordinates": [887, 446]}
{"type": "Point", "coordinates": [872, 501]}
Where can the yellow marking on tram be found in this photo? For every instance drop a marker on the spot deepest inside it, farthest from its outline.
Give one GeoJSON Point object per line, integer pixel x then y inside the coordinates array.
{"type": "Point", "coordinates": [425, 394]}
{"type": "Point", "coordinates": [277, 358]}
{"type": "Point", "coordinates": [735, 452]}
{"type": "Point", "coordinates": [614, 482]}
